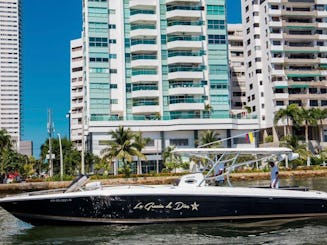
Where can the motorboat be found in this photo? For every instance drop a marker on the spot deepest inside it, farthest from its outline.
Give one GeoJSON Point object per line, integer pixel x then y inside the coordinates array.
{"type": "Point", "coordinates": [192, 199]}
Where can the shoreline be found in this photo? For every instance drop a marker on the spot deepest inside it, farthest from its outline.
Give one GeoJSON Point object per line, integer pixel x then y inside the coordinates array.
{"type": "Point", "coordinates": [163, 180]}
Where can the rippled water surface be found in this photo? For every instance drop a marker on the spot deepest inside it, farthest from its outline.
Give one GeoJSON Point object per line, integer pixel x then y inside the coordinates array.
{"type": "Point", "coordinates": [291, 231]}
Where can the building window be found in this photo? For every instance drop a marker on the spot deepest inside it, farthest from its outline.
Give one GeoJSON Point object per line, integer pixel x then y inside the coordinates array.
{"type": "Point", "coordinates": [98, 42]}
{"type": "Point", "coordinates": [215, 10]}
{"type": "Point", "coordinates": [218, 69]}
{"type": "Point", "coordinates": [216, 39]}
{"type": "Point", "coordinates": [216, 24]}
{"type": "Point", "coordinates": [93, 59]}
{"type": "Point", "coordinates": [179, 142]}
{"type": "Point", "coordinates": [313, 102]}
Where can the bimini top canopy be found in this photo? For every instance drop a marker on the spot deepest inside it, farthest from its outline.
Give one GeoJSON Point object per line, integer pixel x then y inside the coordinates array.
{"type": "Point", "coordinates": [241, 151]}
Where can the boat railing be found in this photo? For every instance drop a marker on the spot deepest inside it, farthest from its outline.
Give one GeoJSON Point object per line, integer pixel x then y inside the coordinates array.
{"type": "Point", "coordinates": [229, 158]}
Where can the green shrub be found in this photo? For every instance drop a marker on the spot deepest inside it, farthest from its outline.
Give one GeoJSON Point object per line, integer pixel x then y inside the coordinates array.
{"type": "Point", "coordinates": [269, 139]}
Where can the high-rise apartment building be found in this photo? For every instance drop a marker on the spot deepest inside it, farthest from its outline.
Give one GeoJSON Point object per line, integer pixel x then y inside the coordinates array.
{"type": "Point", "coordinates": [157, 66]}
{"type": "Point", "coordinates": [286, 55]}
{"type": "Point", "coordinates": [10, 68]}
{"type": "Point", "coordinates": [76, 92]}
{"type": "Point", "coordinates": [237, 69]}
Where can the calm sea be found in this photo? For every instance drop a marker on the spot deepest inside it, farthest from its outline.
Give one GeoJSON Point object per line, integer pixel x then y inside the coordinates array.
{"type": "Point", "coordinates": [296, 231]}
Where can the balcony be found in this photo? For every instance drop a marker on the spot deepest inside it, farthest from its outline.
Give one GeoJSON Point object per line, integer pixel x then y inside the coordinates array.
{"type": "Point", "coordinates": [183, 1]}
{"type": "Point", "coordinates": [301, 60]}
{"type": "Point", "coordinates": [184, 42]}
{"type": "Point", "coordinates": [190, 90]}
{"type": "Point", "coordinates": [144, 60]}
{"type": "Point", "coordinates": [143, 16]}
{"type": "Point", "coordinates": [287, 36]}
{"type": "Point", "coordinates": [145, 106]}
{"type": "Point", "coordinates": [187, 12]}
{"type": "Point", "coordinates": [310, 73]}
{"type": "Point", "coordinates": [143, 30]}
{"type": "Point", "coordinates": [145, 75]}
{"type": "Point", "coordinates": [142, 4]}
{"type": "Point", "coordinates": [141, 45]}
{"type": "Point", "coordinates": [183, 104]}
{"type": "Point", "coordinates": [281, 96]}
{"type": "Point", "coordinates": [188, 27]}
{"type": "Point", "coordinates": [183, 56]}
{"type": "Point", "coordinates": [299, 13]}
{"type": "Point", "coordinates": [294, 25]}
{"type": "Point", "coordinates": [300, 48]}
{"type": "Point", "coordinates": [185, 73]}
{"type": "Point", "coordinates": [145, 91]}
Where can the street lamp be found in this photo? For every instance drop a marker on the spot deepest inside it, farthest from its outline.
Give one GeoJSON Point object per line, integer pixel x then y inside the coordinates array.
{"type": "Point", "coordinates": [68, 115]}
{"type": "Point", "coordinates": [61, 159]}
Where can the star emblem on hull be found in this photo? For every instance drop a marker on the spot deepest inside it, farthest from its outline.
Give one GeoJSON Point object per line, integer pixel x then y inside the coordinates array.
{"type": "Point", "coordinates": [195, 206]}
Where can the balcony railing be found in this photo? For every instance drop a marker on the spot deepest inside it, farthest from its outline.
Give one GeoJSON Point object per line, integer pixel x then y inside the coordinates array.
{"type": "Point", "coordinates": [184, 53]}
{"type": "Point", "coordinates": [144, 72]}
{"type": "Point", "coordinates": [145, 103]}
{"type": "Point", "coordinates": [185, 69]}
{"type": "Point", "coordinates": [144, 87]}
{"type": "Point", "coordinates": [185, 23]}
{"type": "Point", "coordinates": [138, 27]}
{"type": "Point", "coordinates": [144, 57]}
{"type": "Point", "coordinates": [143, 41]}
{"type": "Point", "coordinates": [185, 85]}
{"type": "Point", "coordinates": [174, 7]}
{"type": "Point", "coordinates": [185, 100]}
{"type": "Point", "coordinates": [141, 11]}
{"type": "Point", "coordinates": [185, 38]}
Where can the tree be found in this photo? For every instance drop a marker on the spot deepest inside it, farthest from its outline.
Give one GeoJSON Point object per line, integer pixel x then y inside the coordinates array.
{"type": "Point", "coordinates": [5, 148]}
{"type": "Point", "coordinates": [306, 117]}
{"type": "Point", "coordinates": [319, 115]}
{"type": "Point", "coordinates": [71, 157]}
{"type": "Point", "coordinates": [122, 147]}
{"type": "Point", "coordinates": [292, 142]}
{"type": "Point", "coordinates": [292, 114]}
{"type": "Point", "coordinates": [170, 160]}
{"type": "Point", "coordinates": [140, 143]}
{"type": "Point", "coordinates": [208, 137]}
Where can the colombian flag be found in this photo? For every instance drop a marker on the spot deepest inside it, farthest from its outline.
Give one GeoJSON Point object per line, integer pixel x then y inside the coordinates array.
{"type": "Point", "coordinates": [249, 138]}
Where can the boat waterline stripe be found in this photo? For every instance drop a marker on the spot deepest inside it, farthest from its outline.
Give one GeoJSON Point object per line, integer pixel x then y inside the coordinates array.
{"type": "Point", "coordinates": [163, 220]}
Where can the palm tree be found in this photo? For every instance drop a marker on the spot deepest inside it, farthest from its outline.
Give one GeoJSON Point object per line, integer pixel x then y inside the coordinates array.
{"type": "Point", "coordinates": [5, 147]}
{"type": "Point", "coordinates": [292, 114]}
{"type": "Point", "coordinates": [319, 115]}
{"type": "Point", "coordinates": [208, 137]}
{"type": "Point", "coordinates": [292, 142]}
{"type": "Point", "coordinates": [307, 117]}
{"type": "Point", "coordinates": [170, 160]}
{"type": "Point", "coordinates": [140, 143]}
{"type": "Point", "coordinates": [5, 139]}
{"type": "Point", "coordinates": [122, 147]}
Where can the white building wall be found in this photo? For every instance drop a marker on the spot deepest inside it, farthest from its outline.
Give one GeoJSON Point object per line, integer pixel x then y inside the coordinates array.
{"type": "Point", "coordinates": [10, 68]}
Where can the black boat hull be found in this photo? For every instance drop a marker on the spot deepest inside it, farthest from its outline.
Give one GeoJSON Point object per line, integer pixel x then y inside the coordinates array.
{"type": "Point", "coordinates": [142, 209]}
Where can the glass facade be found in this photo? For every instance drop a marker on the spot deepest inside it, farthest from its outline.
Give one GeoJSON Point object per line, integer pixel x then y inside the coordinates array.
{"type": "Point", "coordinates": [174, 55]}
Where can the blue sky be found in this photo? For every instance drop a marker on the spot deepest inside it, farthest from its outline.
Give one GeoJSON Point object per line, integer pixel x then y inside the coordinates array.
{"type": "Point", "coordinates": [48, 27]}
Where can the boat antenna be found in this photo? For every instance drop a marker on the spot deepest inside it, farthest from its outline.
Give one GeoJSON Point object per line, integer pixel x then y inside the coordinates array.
{"type": "Point", "coordinates": [221, 140]}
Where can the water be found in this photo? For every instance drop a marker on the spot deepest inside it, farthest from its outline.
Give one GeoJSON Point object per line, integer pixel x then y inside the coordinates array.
{"type": "Point", "coordinates": [291, 231]}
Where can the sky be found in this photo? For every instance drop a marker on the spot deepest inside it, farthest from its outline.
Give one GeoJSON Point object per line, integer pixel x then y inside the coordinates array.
{"type": "Point", "coordinates": [48, 27]}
